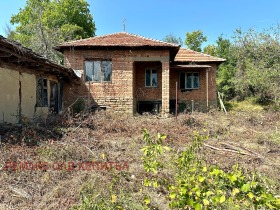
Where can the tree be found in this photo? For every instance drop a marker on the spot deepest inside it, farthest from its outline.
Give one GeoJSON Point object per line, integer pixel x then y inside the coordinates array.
{"type": "Point", "coordinates": [10, 33]}
{"type": "Point", "coordinates": [210, 49]}
{"type": "Point", "coordinates": [227, 70]}
{"type": "Point", "coordinates": [170, 38]}
{"type": "Point", "coordinates": [223, 47]}
{"type": "Point", "coordinates": [195, 39]}
{"type": "Point", "coordinates": [42, 24]}
{"type": "Point", "coordinates": [257, 57]}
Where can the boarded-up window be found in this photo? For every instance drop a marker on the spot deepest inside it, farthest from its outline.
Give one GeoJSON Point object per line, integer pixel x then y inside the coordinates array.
{"type": "Point", "coordinates": [42, 92]}
{"type": "Point", "coordinates": [98, 71]}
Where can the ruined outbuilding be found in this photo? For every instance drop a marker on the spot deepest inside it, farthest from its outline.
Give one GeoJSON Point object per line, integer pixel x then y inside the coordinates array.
{"type": "Point", "coordinates": [31, 85]}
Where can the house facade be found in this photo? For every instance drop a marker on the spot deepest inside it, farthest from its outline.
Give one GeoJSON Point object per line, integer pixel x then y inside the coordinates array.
{"type": "Point", "coordinates": [130, 73]}
{"type": "Point", "coordinates": [31, 86]}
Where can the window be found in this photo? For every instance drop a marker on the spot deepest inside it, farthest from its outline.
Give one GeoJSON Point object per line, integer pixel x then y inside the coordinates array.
{"type": "Point", "coordinates": [189, 80]}
{"type": "Point", "coordinates": [42, 92]}
{"type": "Point", "coordinates": [98, 71]}
{"type": "Point", "coordinates": [151, 78]}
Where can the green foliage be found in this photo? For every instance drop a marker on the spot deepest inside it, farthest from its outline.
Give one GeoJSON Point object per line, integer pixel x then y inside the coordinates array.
{"type": "Point", "coordinates": [226, 71]}
{"type": "Point", "coordinates": [257, 67]}
{"type": "Point", "coordinates": [195, 39]}
{"type": "Point", "coordinates": [151, 151]}
{"type": "Point", "coordinates": [252, 66]}
{"type": "Point", "coordinates": [199, 186]}
{"type": "Point", "coordinates": [223, 49]}
{"type": "Point", "coordinates": [210, 50]}
{"type": "Point", "coordinates": [225, 80]}
{"type": "Point", "coordinates": [43, 24]}
{"type": "Point", "coordinates": [173, 39]}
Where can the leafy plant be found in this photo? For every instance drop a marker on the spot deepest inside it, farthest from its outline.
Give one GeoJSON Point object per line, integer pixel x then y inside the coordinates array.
{"type": "Point", "coordinates": [152, 150]}
{"type": "Point", "coordinates": [199, 186]}
{"type": "Point", "coordinates": [195, 39]}
{"type": "Point", "coordinates": [151, 163]}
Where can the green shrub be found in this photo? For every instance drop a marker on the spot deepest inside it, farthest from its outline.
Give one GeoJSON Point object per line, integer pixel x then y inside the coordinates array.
{"type": "Point", "coordinates": [198, 186]}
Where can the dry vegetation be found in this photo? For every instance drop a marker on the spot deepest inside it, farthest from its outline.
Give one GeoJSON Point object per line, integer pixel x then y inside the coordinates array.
{"type": "Point", "coordinates": [251, 139]}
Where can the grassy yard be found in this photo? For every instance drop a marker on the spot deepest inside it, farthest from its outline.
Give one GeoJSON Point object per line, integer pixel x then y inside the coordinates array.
{"type": "Point", "coordinates": [248, 138]}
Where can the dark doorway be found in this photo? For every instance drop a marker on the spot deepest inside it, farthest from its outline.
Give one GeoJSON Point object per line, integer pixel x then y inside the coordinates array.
{"type": "Point", "coordinates": [54, 105]}
{"type": "Point", "coordinates": [152, 107]}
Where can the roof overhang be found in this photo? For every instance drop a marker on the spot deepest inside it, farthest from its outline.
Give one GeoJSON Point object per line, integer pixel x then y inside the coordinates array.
{"type": "Point", "coordinates": [13, 53]}
{"type": "Point", "coordinates": [172, 49]}
{"type": "Point", "coordinates": [116, 47]}
{"type": "Point", "coordinates": [186, 55]}
{"type": "Point", "coordinates": [190, 66]}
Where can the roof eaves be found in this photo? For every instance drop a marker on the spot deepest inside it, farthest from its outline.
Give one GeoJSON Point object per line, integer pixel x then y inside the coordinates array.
{"type": "Point", "coordinates": [212, 58]}
{"type": "Point", "coordinates": [24, 51]}
{"type": "Point", "coordinates": [74, 43]}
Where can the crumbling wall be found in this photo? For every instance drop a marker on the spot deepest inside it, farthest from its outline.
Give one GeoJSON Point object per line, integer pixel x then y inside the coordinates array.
{"type": "Point", "coordinates": [18, 94]}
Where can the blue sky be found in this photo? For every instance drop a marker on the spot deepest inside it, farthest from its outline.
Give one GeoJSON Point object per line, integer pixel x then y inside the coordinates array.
{"type": "Point", "coordinates": [157, 18]}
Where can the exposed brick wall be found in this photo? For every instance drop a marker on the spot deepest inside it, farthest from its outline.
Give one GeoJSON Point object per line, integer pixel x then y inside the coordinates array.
{"type": "Point", "coordinates": [121, 93]}
{"type": "Point", "coordinates": [199, 95]}
{"type": "Point", "coordinates": [128, 80]}
{"type": "Point", "coordinates": [143, 93]}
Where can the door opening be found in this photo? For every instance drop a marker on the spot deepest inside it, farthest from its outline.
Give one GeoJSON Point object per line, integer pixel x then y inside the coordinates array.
{"type": "Point", "coordinates": [54, 105]}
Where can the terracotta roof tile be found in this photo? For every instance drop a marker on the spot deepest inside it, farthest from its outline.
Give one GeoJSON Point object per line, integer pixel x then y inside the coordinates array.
{"type": "Point", "coordinates": [122, 39]}
{"type": "Point", "coordinates": [187, 55]}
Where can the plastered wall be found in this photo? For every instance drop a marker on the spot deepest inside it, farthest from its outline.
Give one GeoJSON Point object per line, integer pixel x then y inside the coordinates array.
{"type": "Point", "coordinates": [12, 83]}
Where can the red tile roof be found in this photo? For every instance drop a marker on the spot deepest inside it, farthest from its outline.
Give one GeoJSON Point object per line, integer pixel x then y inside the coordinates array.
{"type": "Point", "coordinates": [186, 55]}
{"type": "Point", "coordinates": [124, 39]}
{"type": "Point", "coordinates": [121, 39]}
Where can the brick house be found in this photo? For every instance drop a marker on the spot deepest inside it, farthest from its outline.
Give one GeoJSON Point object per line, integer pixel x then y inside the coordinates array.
{"type": "Point", "coordinates": [31, 86]}
{"type": "Point", "coordinates": [130, 73]}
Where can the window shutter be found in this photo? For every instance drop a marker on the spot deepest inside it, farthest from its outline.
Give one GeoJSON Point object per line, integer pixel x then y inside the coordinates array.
{"type": "Point", "coordinates": [148, 78]}
{"type": "Point", "coordinates": [182, 80]}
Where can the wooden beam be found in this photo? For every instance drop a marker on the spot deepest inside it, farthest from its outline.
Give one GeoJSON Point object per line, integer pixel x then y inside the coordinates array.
{"type": "Point", "coordinates": [15, 59]}
{"type": "Point", "coordinates": [32, 64]}
{"type": "Point", "coordinates": [5, 55]}
{"type": "Point", "coordinates": [18, 54]}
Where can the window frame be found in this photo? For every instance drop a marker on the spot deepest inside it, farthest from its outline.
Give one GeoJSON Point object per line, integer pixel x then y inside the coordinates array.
{"type": "Point", "coordinates": [101, 70]}
{"type": "Point", "coordinates": [42, 92]}
{"type": "Point", "coordinates": [151, 78]}
{"type": "Point", "coordinates": [192, 81]}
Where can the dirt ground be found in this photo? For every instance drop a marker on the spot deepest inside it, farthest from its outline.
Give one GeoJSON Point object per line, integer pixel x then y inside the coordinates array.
{"type": "Point", "coordinates": [249, 139]}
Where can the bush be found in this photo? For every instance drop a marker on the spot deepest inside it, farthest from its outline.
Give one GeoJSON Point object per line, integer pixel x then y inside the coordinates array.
{"type": "Point", "coordinates": [199, 186]}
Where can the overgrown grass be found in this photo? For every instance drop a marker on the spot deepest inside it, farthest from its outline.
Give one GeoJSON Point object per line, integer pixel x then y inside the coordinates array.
{"type": "Point", "coordinates": [248, 105]}
{"type": "Point", "coordinates": [253, 136]}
